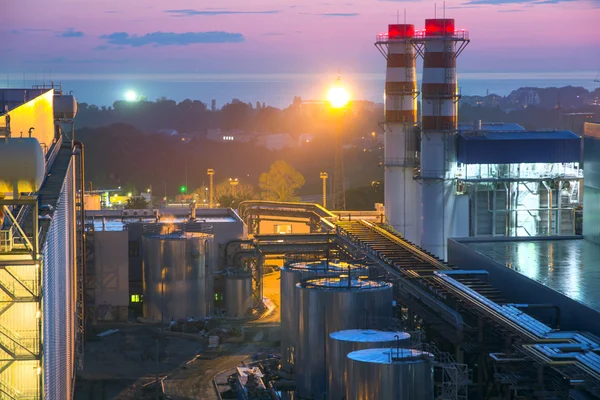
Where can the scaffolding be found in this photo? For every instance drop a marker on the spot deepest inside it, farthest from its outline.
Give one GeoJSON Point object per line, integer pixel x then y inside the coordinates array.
{"type": "Point", "coordinates": [20, 301]}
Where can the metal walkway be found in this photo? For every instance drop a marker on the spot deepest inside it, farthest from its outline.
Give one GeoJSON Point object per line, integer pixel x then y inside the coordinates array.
{"type": "Point", "coordinates": [450, 300]}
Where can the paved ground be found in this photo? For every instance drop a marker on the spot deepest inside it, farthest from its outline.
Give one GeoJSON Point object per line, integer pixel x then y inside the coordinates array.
{"type": "Point", "coordinates": [118, 365]}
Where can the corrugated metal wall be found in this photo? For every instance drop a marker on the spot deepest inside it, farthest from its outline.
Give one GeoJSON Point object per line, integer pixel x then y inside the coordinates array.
{"type": "Point", "coordinates": [591, 192]}
{"type": "Point", "coordinates": [58, 296]}
{"type": "Point", "coordinates": [497, 150]}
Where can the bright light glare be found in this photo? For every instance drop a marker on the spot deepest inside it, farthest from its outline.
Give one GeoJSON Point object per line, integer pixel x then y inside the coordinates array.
{"type": "Point", "coordinates": [338, 97]}
{"type": "Point", "coordinates": [131, 96]}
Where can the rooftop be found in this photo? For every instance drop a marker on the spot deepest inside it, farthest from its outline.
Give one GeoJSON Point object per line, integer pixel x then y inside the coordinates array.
{"type": "Point", "coordinates": [519, 135]}
{"type": "Point", "coordinates": [569, 266]}
{"type": "Point", "coordinates": [118, 224]}
{"type": "Point", "coordinates": [516, 147]}
{"type": "Point", "coordinates": [491, 126]}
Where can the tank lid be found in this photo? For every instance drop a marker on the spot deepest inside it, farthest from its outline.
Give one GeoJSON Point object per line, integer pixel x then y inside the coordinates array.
{"type": "Point", "coordinates": [333, 266]}
{"type": "Point", "coordinates": [368, 335]}
{"type": "Point", "coordinates": [344, 283]}
{"type": "Point", "coordinates": [389, 356]}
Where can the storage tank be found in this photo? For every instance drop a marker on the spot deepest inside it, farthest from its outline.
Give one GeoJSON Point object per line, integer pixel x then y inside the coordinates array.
{"type": "Point", "coordinates": [22, 163]}
{"type": "Point", "coordinates": [65, 106]}
{"type": "Point", "coordinates": [291, 275]}
{"type": "Point", "coordinates": [176, 273]}
{"type": "Point", "coordinates": [390, 374]}
{"type": "Point", "coordinates": [342, 343]}
{"type": "Point", "coordinates": [238, 295]}
{"type": "Point", "coordinates": [329, 305]}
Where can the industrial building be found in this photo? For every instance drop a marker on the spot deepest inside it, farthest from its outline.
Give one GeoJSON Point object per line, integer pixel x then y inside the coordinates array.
{"type": "Point", "coordinates": [591, 202]}
{"type": "Point", "coordinates": [41, 244]}
{"type": "Point", "coordinates": [445, 179]}
{"type": "Point", "coordinates": [124, 250]}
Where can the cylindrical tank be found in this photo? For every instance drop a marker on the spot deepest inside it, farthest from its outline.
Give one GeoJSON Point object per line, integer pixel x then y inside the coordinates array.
{"type": "Point", "coordinates": [22, 163]}
{"type": "Point", "coordinates": [65, 106]}
{"type": "Point", "coordinates": [291, 275]}
{"type": "Point", "coordinates": [238, 295]}
{"type": "Point", "coordinates": [175, 274]}
{"type": "Point", "coordinates": [329, 305]}
{"type": "Point", "coordinates": [345, 342]}
{"type": "Point", "coordinates": [390, 374]}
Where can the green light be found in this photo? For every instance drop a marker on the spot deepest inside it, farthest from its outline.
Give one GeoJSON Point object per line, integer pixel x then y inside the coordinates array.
{"type": "Point", "coordinates": [182, 189]}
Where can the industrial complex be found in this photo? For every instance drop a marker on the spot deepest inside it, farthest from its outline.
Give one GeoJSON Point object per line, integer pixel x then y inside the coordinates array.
{"type": "Point", "coordinates": [479, 280]}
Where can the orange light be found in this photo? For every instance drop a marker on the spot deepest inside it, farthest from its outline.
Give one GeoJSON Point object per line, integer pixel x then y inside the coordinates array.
{"type": "Point", "coordinates": [338, 97]}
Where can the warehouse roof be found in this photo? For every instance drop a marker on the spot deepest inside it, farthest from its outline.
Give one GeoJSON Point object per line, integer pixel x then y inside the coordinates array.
{"type": "Point", "coordinates": [491, 126]}
{"type": "Point", "coordinates": [513, 147]}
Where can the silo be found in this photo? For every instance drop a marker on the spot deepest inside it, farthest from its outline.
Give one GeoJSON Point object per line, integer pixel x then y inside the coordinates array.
{"type": "Point", "coordinates": [291, 275]}
{"type": "Point", "coordinates": [329, 305]}
{"type": "Point", "coordinates": [175, 275]}
{"type": "Point", "coordinates": [238, 295]}
{"type": "Point", "coordinates": [342, 343]}
{"type": "Point", "coordinates": [390, 374]}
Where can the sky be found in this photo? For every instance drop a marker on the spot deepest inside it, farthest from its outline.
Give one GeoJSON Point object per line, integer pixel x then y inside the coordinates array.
{"type": "Point", "coordinates": [285, 36]}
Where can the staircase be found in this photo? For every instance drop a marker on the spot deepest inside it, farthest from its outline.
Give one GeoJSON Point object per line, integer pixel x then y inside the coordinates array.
{"type": "Point", "coordinates": [455, 376]}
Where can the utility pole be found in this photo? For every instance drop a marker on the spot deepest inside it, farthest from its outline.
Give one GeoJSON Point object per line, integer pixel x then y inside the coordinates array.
{"type": "Point", "coordinates": [211, 173]}
{"type": "Point", "coordinates": [338, 99]}
{"type": "Point", "coordinates": [324, 177]}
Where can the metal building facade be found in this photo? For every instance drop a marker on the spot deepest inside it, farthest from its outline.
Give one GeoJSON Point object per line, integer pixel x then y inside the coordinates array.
{"type": "Point", "coordinates": [591, 192]}
{"type": "Point", "coordinates": [58, 296]}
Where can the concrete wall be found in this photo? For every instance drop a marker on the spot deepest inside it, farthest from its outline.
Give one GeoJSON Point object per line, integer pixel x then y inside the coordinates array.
{"type": "Point", "coordinates": [518, 288]}
{"type": "Point", "coordinates": [112, 275]}
{"type": "Point", "coordinates": [591, 193]}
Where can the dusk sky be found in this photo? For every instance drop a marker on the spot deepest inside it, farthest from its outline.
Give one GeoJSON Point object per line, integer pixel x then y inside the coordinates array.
{"type": "Point", "coordinates": [287, 36]}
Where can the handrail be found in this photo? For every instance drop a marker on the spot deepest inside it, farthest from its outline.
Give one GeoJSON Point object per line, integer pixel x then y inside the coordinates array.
{"type": "Point", "coordinates": [308, 207]}
{"type": "Point", "coordinates": [449, 314]}
{"type": "Point", "coordinates": [410, 247]}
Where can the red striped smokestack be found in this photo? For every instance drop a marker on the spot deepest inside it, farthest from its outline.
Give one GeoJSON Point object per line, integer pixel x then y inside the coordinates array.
{"type": "Point", "coordinates": [439, 90]}
{"type": "Point", "coordinates": [401, 153]}
{"type": "Point", "coordinates": [439, 44]}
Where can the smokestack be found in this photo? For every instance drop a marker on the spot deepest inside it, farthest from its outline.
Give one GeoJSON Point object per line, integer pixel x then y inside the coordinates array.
{"type": "Point", "coordinates": [401, 154]}
{"type": "Point", "coordinates": [440, 44]}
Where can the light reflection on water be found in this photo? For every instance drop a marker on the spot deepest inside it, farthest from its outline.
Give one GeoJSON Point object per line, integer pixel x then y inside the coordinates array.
{"type": "Point", "coordinates": [571, 267]}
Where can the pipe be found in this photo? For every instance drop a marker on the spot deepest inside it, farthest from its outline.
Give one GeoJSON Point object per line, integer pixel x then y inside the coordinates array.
{"type": "Point", "coordinates": [233, 242]}
{"type": "Point", "coordinates": [82, 238]}
{"type": "Point", "coordinates": [556, 308]}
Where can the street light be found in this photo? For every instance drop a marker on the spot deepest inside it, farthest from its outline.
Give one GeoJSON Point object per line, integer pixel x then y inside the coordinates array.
{"type": "Point", "coordinates": [324, 177]}
{"type": "Point", "coordinates": [338, 98]}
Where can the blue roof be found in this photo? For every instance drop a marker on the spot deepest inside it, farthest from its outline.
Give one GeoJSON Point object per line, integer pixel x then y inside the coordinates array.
{"type": "Point", "coordinates": [521, 135]}
{"type": "Point", "coordinates": [513, 147]}
{"type": "Point", "coordinates": [491, 126]}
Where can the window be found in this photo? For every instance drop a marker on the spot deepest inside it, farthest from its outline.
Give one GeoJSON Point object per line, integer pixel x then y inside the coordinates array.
{"type": "Point", "coordinates": [134, 248]}
{"type": "Point", "coordinates": [283, 229]}
{"type": "Point", "coordinates": [136, 298]}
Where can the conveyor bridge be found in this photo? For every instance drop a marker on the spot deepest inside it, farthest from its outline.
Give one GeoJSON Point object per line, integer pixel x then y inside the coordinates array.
{"type": "Point", "coordinates": [462, 308]}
